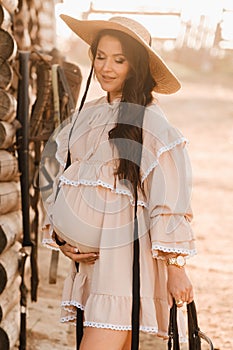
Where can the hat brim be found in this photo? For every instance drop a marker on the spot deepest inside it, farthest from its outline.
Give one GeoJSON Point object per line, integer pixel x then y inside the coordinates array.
{"type": "Point", "coordinates": [166, 81]}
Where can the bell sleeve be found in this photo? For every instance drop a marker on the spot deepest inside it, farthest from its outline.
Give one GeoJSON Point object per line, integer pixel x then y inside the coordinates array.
{"type": "Point", "coordinates": [167, 183]}
{"type": "Point", "coordinates": [56, 163]}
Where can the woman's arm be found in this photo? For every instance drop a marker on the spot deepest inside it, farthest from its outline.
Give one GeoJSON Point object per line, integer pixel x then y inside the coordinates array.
{"type": "Point", "coordinates": [170, 215]}
{"type": "Point", "coordinates": [178, 284]}
{"type": "Point", "coordinates": [73, 252]}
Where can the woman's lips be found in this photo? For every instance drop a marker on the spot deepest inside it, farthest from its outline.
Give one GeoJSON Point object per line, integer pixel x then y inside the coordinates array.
{"type": "Point", "coordinates": [107, 78]}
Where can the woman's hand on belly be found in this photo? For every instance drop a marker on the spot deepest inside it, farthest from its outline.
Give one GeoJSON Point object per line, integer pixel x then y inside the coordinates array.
{"type": "Point", "coordinates": [73, 253]}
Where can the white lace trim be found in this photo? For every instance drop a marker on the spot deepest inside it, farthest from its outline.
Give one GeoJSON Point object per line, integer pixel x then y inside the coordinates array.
{"type": "Point", "coordinates": [118, 327]}
{"type": "Point", "coordinates": [171, 146]}
{"type": "Point", "coordinates": [141, 203]}
{"type": "Point", "coordinates": [160, 152]}
{"type": "Point", "coordinates": [64, 304]}
{"type": "Point", "coordinates": [64, 180]}
{"type": "Point", "coordinates": [67, 319]}
{"type": "Point", "coordinates": [109, 326]}
{"type": "Point", "coordinates": [152, 330]}
{"type": "Point", "coordinates": [47, 243]}
{"type": "Point", "coordinates": [156, 247]}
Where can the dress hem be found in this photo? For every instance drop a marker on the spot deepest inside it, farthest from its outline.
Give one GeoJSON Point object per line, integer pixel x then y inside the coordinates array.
{"type": "Point", "coordinates": [149, 330]}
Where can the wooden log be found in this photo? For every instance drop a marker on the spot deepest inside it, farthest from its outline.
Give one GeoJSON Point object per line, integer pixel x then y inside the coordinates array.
{"type": "Point", "coordinates": [7, 134]}
{"type": "Point", "coordinates": [10, 197]}
{"type": "Point", "coordinates": [9, 262]}
{"type": "Point", "coordinates": [8, 47]}
{"type": "Point", "coordinates": [8, 103]}
{"type": "Point", "coordinates": [9, 329]}
{"type": "Point", "coordinates": [6, 75]}
{"type": "Point", "coordinates": [9, 298]}
{"type": "Point", "coordinates": [10, 229]}
{"type": "Point", "coordinates": [8, 166]}
{"type": "Point", "coordinates": [1, 14]}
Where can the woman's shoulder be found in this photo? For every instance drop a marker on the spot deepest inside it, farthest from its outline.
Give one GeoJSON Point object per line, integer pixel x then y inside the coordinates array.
{"type": "Point", "coordinates": [96, 102]}
{"type": "Point", "coordinates": [155, 119]}
{"type": "Point", "coordinates": [158, 129]}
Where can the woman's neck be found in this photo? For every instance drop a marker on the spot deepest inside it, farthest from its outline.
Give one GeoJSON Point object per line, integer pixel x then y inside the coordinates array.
{"type": "Point", "coordinates": [113, 97]}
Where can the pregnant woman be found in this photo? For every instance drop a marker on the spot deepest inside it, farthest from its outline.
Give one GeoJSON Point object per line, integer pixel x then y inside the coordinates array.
{"type": "Point", "coordinates": [121, 149]}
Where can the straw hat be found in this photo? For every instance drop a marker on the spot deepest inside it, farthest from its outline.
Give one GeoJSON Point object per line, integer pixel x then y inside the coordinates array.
{"type": "Point", "coordinates": [167, 83]}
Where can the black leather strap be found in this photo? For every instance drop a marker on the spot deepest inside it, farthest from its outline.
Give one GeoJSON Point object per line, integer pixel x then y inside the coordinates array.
{"type": "Point", "coordinates": [136, 283]}
{"type": "Point", "coordinates": [58, 242]}
{"type": "Point", "coordinates": [173, 341]}
{"type": "Point", "coordinates": [193, 329]}
{"type": "Point", "coordinates": [79, 321]}
{"type": "Point", "coordinates": [194, 333]}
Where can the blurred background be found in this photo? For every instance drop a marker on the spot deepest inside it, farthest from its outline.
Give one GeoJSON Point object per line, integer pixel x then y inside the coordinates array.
{"type": "Point", "coordinates": [195, 38]}
{"type": "Point", "coordinates": [197, 34]}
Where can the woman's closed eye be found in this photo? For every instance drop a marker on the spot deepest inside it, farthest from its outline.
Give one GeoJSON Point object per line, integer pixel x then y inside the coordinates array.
{"type": "Point", "coordinates": [120, 60]}
{"type": "Point", "coordinates": [100, 57]}
{"type": "Point", "coordinates": [117, 59]}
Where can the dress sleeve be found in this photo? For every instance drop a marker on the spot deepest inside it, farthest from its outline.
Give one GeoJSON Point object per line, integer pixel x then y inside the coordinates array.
{"type": "Point", "coordinates": [56, 161]}
{"type": "Point", "coordinates": [167, 183]}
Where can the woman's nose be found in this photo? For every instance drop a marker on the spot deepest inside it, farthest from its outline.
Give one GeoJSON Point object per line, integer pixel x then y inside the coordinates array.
{"type": "Point", "coordinates": [107, 65]}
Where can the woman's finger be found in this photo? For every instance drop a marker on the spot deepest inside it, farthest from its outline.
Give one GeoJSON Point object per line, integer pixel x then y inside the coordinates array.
{"type": "Point", "coordinates": [170, 299]}
{"type": "Point", "coordinates": [73, 254]}
{"type": "Point", "coordinates": [69, 248]}
{"type": "Point", "coordinates": [86, 257]}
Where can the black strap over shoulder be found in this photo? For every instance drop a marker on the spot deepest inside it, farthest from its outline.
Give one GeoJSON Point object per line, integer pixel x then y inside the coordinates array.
{"type": "Point", "coordinates": [136, 283]}
{"type": "Point", "coordinates": [79, 321]}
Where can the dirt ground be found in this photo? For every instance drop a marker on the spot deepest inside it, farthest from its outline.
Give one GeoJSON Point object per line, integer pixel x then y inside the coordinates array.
{"type": "Point", "coordinates": [203, 111]}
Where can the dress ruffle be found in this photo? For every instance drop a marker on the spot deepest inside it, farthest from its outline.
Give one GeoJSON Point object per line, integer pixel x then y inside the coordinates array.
{"type": "Point", "coordinates": [102, 310]}
{"type": "Point", "coordinates": [109, 311]}
{"type": "Point", "coordinates": [172, 234]}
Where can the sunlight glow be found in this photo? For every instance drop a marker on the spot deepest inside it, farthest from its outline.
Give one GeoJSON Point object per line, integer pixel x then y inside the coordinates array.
{"type": "Point", "coordinates": [209, 11]}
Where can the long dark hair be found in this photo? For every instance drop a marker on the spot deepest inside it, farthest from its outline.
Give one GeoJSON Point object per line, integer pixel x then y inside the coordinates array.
{"type": "Point", "coordinates": [137, 91]}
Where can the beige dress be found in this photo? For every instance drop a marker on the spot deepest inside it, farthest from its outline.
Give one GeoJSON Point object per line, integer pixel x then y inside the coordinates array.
{"type": "Point", "coordinates": [97, 215]}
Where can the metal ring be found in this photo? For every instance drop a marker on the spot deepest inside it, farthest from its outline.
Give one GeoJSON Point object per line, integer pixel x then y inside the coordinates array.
{"type": "Point", "coordinates": [179, 302]}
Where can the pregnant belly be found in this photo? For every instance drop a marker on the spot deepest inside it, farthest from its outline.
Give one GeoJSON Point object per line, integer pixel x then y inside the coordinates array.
{"type": "Point", "coordinates": [90, 217]}
{"type": "Point", "coordinates": [75, 221]}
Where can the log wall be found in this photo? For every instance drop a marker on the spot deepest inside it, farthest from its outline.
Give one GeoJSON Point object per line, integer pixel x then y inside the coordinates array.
{"type": "Point", "coordinates": [24, 25]}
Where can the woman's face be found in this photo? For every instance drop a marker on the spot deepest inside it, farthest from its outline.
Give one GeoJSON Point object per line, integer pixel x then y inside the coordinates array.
{"type": "Point", "coordinates": [111, 66]}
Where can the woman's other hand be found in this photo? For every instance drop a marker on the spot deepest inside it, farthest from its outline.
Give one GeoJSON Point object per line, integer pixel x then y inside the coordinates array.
{"type": "Point", "coordinates": [73, 253]}
{"type": "Point", "coordinates": [179, 286]}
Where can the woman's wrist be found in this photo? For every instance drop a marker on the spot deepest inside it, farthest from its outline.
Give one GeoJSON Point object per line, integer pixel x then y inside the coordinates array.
{"type": "Point", "coordinates": [178, 261]}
